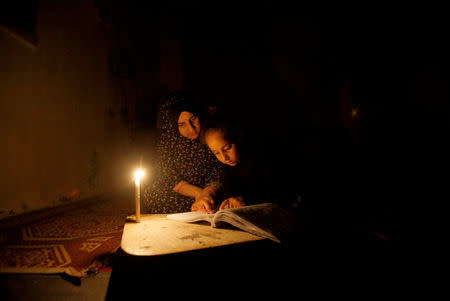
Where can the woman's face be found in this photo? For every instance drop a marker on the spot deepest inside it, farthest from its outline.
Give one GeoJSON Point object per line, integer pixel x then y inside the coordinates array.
{"type": "Point", "coordinates": [189, 125]}
{"type": "Point", "coordinates": [225, 151]}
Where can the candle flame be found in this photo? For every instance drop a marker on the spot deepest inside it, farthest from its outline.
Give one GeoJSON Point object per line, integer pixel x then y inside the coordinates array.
{"type": "Point", "coordinates": [138, 175]}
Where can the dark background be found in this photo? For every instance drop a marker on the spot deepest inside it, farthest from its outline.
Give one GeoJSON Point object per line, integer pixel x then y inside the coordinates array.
{"type": "Point", "coordinates": [350, 102]}
{"type": "Point", "coordinates": [294, 73]}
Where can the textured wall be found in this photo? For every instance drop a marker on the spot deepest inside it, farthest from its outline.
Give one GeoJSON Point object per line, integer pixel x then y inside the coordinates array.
{"type": "Point", "coordinates": [63, 135]}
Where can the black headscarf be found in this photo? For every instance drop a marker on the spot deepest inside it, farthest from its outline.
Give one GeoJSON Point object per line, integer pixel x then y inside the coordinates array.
{"type": "Point", "coordinates": [173, 105]}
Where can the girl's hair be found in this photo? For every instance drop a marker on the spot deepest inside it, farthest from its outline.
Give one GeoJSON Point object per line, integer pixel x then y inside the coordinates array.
{"type": "Point", "coordinates": [222, 122]}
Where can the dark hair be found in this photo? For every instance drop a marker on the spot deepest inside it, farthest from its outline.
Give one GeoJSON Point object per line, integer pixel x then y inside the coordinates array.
{"type": "Point", "coordinates": [222, 122]}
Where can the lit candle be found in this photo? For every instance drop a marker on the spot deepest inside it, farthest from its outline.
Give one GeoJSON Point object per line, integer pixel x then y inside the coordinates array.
{"type": "Point", "coordinates": [138, 175]}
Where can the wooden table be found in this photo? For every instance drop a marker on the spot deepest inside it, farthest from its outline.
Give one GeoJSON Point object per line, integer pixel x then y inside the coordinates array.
{"type": "Point", "coordinates": [180, 260]}
{"type": "Point", "coordinates": [156, 235]}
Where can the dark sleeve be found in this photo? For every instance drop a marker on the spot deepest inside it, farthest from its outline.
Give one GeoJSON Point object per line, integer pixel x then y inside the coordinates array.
{"type": "Point", "coordinates": [168, 173]}
{"type": "Point", "coordinates": [167, 163]}
{"type": "Point", "coordinates": [252, 182]}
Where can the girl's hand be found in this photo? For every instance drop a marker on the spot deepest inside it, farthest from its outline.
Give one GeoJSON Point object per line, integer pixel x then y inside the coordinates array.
{"type": "Point", "coordinates": [233, 202]}
{"type": "Point", "coordinates": [204, 203]}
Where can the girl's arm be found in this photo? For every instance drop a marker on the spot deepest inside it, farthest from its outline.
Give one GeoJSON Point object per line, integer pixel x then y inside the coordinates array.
{"type": "Point", "coordinates": [233, 202]}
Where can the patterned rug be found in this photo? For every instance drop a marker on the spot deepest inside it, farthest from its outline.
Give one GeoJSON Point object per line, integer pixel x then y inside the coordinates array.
{"type": "Point", "coordinates": [77, 242]}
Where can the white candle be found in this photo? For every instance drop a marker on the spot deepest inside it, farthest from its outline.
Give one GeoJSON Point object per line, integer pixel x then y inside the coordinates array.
{"type": "Point", "coordinates": [138, 175]}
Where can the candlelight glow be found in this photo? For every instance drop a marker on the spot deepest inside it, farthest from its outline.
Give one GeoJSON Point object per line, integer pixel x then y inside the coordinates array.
{"type": "Point", "coordinates": [138, 175]}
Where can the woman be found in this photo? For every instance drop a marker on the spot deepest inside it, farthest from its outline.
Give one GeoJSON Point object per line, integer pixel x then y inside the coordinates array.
{"type": "Point", "coordinates": [187, 171]}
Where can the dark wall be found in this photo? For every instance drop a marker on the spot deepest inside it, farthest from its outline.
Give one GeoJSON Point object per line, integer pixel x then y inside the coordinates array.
{"type": "Point", "coordinates": [66, 122]}
{"type": "Point", "coordinates": [346, 100]}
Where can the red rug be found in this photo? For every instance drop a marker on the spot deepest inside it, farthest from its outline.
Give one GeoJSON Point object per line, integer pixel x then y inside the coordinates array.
{"type": "Point", "coordinates": [76, 241]}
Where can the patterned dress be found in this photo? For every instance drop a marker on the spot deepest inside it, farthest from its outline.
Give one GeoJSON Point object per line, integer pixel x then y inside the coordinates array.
{"type": "Point", "coordinates": [179, 159]}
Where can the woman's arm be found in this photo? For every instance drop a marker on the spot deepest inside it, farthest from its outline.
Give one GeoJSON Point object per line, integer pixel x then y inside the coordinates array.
{"type": "Point", "coordinates": [187, 189]}
{"type": "Point", "coordinates": [204, 198]}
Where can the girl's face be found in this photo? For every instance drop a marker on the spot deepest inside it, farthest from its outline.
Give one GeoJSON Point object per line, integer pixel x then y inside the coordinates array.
{"type": "Point", "coordinates": [225, 151]}
{"type": "Point", "coordinates": [189, 125]}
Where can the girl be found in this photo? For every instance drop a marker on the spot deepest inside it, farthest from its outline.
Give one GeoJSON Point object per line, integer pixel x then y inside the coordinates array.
{"type": "Point", "coordinates": [246, 174]}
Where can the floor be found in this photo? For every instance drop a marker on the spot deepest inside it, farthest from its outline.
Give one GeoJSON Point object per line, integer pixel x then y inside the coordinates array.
{"type": "Point", "coordinates": [314, 258]}
{"type": "Point", "coordinates": [53, 287]}
{"type": "Point", "coordinates": [218, 270]}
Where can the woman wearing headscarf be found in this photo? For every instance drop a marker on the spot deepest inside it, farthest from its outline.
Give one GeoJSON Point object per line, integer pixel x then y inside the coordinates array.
{"type": "Point", "coordinates": [188, 173]}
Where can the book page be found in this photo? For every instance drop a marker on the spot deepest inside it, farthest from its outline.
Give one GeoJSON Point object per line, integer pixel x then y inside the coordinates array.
{"type": "Point", "coordinates": [265, 220]}
{"type": "Point", "coordinates": [190, 217]}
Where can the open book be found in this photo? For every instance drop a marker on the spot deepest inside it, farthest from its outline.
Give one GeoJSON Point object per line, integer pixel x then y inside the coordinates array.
{"type": "Point", "coordinates": [266, 220]}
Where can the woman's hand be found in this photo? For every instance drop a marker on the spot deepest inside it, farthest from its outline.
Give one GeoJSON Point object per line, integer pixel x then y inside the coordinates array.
{"type": "Point", "coordinates": [233, 202]}
{"type": "Point", "coordinates": [204, 202]}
